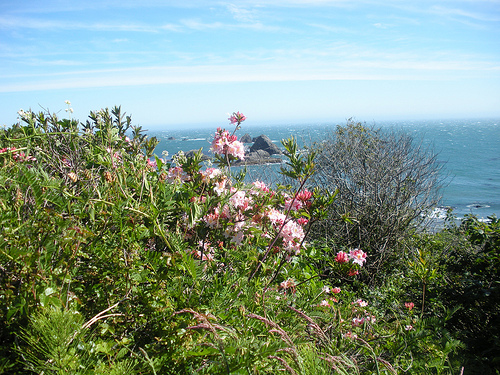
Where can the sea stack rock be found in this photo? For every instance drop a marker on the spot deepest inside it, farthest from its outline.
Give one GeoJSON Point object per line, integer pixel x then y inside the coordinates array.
{"type": "Point", "coordinates": [246, 138]}
{"type": "Point", "coordinates": [264, 143]}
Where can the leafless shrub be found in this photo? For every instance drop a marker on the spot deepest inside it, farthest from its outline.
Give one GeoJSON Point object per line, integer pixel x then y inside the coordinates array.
{"type": "Point", "coordinates": [386, 183]}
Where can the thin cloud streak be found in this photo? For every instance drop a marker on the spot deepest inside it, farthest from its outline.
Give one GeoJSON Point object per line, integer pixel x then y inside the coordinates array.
{"type": "Point", "coordinates": [37, 24]}
{"type": "Point", "coordinates": [183, 26]}
{"type": "Point", "coordinates": [348, 70]}
{"type": "Point", "coordinates": [444, 11]}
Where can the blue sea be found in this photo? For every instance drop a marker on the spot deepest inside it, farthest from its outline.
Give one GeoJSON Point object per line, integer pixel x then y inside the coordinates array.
{"type": "Point", "coordinates": [468, 149]}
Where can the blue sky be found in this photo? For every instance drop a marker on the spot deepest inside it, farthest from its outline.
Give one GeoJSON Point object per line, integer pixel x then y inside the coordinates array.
{"type": "Point", "coordinates": [170, 63]}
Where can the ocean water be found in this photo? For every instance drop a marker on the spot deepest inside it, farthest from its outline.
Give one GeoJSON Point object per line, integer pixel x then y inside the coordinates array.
{"type": "Point", "coordinates": [468, 149]}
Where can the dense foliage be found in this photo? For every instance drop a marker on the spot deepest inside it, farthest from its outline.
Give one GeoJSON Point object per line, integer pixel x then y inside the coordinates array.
{"type": "Point", "coordinates": [116, 261]}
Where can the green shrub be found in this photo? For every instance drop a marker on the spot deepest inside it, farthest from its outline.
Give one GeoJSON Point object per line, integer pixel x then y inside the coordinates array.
{"type": "Point", "coordinates": [115, 262]}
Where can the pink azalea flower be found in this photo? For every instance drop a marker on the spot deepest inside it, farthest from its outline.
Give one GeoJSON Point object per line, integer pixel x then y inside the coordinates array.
{"type": "Point", "coordinates": [237, 149]}
{"type": "Point", "coordinates": [409, 305]}
{"type": "Point", "coordinates": [292, 232]}
{"type": "Point", "coordinates": [152, 163]}
{"type": "Point", "coordinates": [302, 221]}
{"type": "Point", "coordinates": [237, 117]}
{"type": "Point", "coordinates": [220, 187]}
{"type": "Point", "coordinates": [238, 238]}
{"type": "Point", "coordinates": [324, 303]}
{"type": "Point", "coordinates": [275, 216]}
{"type": "Point", "coordinates": [357, 256]}
{"type": "Point", "coordinates": [210, 173]}
{"type": "Point", "coordinates": [353, 272]}
{"type": "Point", "coordinates": [357, 321]}
{"type": "Point", "coordinates": [294, 204]}
{"type": "Point", "coordinates": [371, 319]}
{"type": "Point", "coordinates": [342, 257]}
{"type": "Point", "coordinates": [226, 144]}
{"type": "Point", "coordinates": [261, 186]}
{"type": "Point", "coordinates": [292, 247]}
{"type": "Point", "coordinates": [350, 335]}
{"type": "Point", "coordinates": [336, 290]}
{"type": "Point", "coordinates": [304, 195]}
{"type": "Point", "coordinates": [208, 251]}
{"type": "Point", "coordinates": [212, 220]}
{"type": "Point", "coordinates": [360, 303]}
{"type": "Point", "coordinates": [240, 201]}
{"type": "Point", "coordinates": [409, 327]}
{"type": "Point", "coordinates": [288, 284]}
{"type": "Point", "coordinates": [177, 174]}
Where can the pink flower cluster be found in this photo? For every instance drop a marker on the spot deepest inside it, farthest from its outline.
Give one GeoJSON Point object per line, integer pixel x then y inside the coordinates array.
{"type": "Point", "coordinates": [260, 186]}
{"type": "Point", "coordinates": [296, 203]}
{"type": "Point", "coordinates": [116, 158]}
{"type": "Point", "coordinates": [288, 284]}
{"type": "Point", "coordinates": [225, 144]}
{"type": "Point", "coordinates": [357, 256]}
{"type": "Point", "coordinates": [360, 303]}
{"type": "Point", "coordinates": [324, 303]}
{"type": "Point", "coordinates": [242, 213]}
{"type": "Point", "coordinates": [409, 305]}
{"type": "Point", "coordinates": [235, 216]}
{"type": "Point", "coordinates": [206, 252]}
{"type": "Point", "coordinates": [16, 155]}
{"type": "Point", "coordinates": [292, 234]}
{"type": "Point", "coordinates": [356, 322]}
{"type": "Point", "coordinates": [237, 118]}
{"type": "Point", "coordinates": [151, 164]}
{"type": "Point", "coordinates": [177, 174]}
{"type": "Point", "coordinates": [350, 335]}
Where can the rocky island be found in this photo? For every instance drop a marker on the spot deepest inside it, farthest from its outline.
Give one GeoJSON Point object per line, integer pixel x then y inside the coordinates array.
{"type": "Point", "coordinates": [260, 152]}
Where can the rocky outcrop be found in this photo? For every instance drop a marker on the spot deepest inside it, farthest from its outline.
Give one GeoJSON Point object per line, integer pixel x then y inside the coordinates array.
{"type": "Point", "coordinates": [264, 143]}
{"type": "Point", "coordinates": [258, 154]}
{"type": "Point", "coordinates": [246, 138]}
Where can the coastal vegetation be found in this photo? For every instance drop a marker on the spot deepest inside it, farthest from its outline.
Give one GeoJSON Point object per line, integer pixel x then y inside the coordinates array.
{"type": "Point", "coordinates": [114, 260]}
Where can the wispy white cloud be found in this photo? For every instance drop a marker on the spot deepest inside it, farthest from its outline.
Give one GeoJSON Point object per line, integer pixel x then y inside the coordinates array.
{"type": "Point", "coordinates": [306, 58]}
{"type": "Point", "coordinates": [477, 16]}
{"type": "Point", "coordinates": [332, 28]}
{"type": "Point", "coordinates": [198, 25]}
{"type": "Point", "coordinates": [288, 3]}
{"type": "Point", "coordinates": [357, 65]}
{"type": "Point", "coordinates": [19, 23]}
{"type": "Point", "coordinates": [241, 14]}
{"type": "Point", "coordinates": [40, 24]}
